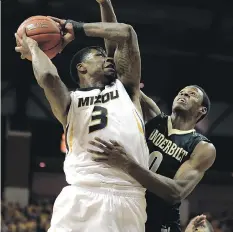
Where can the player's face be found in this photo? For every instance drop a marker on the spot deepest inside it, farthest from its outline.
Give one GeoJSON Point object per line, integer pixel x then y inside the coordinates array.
{"type": "Point", "coordinates": [101, 67]}
{"type": "Point", "coordinates": [189, 99]}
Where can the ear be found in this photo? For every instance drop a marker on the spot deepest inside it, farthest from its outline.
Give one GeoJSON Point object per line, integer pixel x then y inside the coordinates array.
{"type": "Point", "coordinates": [203, 110]}
{"type": "Point", "coordinates": [81, 68]}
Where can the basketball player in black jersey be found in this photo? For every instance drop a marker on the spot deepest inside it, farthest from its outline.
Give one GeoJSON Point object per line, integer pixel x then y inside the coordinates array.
{"type": "Point", "coordinates": [178, 154]}
{"type": "Point", "coordinates": [179, 157]}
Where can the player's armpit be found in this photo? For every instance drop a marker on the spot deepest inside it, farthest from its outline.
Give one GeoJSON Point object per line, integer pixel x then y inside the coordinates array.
{"type": "Point", "coordinates": [55, 90]}
{"type": "Point", "coordinates": [149, 108]}
{"type": "Point", "coordinates": [192, 171]}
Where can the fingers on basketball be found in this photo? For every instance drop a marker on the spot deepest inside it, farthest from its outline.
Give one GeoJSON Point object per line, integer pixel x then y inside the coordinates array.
{"type": "Point", "coordinates": [18, 40]}
{"type": "Point", "coordinates": [18, 49]}
{"type": "Point", "coordinates": [57, 20]}
{"type": "Point", "coordinates": [24, 35]}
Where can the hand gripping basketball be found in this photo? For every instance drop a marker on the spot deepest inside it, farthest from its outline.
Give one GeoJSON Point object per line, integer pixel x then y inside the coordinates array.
{"type": "Point", "coordinates": [24, 44]}
{"type": "Point", "coordinates": [67, 29]}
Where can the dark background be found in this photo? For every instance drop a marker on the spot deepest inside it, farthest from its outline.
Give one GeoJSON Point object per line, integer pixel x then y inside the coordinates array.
{"type": "Point", "coordinates": [181, 42]}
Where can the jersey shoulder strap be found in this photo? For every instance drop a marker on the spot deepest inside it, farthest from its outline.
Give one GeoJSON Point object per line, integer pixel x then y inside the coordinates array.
{"type": "Point", "coordinates": [157, 120]}
{"type": "Point", "coordinates": [195, 139]}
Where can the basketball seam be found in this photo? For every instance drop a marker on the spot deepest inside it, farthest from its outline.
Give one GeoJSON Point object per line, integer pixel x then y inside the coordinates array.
{"type": "Point", "coordinates": [51, 47]}
{"type": "Point", "coordinates": [46, 33]}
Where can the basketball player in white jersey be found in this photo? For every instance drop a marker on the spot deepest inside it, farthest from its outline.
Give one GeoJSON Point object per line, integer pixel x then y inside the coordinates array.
{"type": "Point", "coordinates": [99, 198]}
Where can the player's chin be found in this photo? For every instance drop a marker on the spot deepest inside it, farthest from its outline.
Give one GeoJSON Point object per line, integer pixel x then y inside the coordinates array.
{"type": "Point", "coordinates": [110, 76]}
{"type": "Point", "coordinates": [179, 107]}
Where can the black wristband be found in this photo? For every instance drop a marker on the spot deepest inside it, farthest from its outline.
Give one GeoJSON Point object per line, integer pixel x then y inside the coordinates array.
{"type": "Point", "coordinates": [77, 27]}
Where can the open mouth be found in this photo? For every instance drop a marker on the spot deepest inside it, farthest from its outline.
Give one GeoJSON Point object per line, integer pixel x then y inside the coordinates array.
{"type": "Point", "coordinates": [110, 66]}
{"type": "Point", "coordinates": [182, 100]}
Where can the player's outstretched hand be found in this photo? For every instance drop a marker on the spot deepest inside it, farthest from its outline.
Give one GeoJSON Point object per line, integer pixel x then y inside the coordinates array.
{"type": "Point", "coordinates": [111, 153]}
{"type": "Point", "coordinates": [198, 221]}
{"type": "Point", "coordinates": [24, 44]}
{"type": "Point", "coordinates": [67, 30]}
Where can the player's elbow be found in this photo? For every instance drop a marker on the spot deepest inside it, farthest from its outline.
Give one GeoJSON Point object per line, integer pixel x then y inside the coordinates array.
{"type": "Point", "coordinates": [176, 195]}
{"type": "Point", "coordinates": [128, 30]}
{"type": "Point", "coordinates": [176, 198]}
{"type": "Point", "coordinates": [48, 79]}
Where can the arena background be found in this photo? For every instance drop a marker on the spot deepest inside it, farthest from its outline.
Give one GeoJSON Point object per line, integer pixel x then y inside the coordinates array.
{"type": "Point", "coordinates": [181, 42]}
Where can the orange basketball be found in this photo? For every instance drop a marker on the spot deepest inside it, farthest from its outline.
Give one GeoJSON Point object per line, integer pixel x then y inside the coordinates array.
{"type": "Point", "coordinates": [45, 31]}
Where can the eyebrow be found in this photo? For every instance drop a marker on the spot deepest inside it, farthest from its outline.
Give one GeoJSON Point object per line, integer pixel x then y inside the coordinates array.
{"type": "Point", "coordinates": [192, 89]}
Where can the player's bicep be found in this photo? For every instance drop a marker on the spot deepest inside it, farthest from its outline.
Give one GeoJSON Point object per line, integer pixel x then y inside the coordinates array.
{"type": "Point", "coordinates": [192, 171]}
{"type": "Point", "coordinates": [187, 177]}
{"type": "Point", "coordinates": [128, 61]}
{"type": "Point", "coordinates": [59, 98]}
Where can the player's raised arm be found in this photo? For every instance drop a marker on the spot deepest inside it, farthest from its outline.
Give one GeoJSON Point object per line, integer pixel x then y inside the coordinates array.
{"type": "Point", "coordinates": [47, 77]}
{"type": "Point", "coordinates": [108, 15]}
{"type": "Point", "coordinates": [127, 56]}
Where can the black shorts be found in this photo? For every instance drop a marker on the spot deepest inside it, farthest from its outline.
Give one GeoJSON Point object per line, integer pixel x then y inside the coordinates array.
{"type": "Point", "coordinates": [174, 227]}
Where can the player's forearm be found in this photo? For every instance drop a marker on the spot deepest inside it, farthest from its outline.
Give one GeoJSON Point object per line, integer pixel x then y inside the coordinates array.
{"type": "Point", "coordinates": [55, 90]}
{"type": "Point", "coordinates": [108, 15]}
{"type": "Point", "coordinates": [161, 186]}
{"type": "Point", "coordinates": [116, 32]}
{"type": "Point", "coordinates": [44, 69]}
{"type": "Point", "coordinates": [107, 12]}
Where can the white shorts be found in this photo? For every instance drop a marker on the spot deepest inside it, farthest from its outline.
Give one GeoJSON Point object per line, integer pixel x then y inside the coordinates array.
{"type": "Point", "coordinates": [84, 209]}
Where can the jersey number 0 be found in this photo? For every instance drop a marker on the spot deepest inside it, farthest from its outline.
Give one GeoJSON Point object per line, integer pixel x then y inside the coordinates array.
{"type": "Point", "coordinates": [99, 119]}
{"type": "Point", "coordinates": [155, 160]}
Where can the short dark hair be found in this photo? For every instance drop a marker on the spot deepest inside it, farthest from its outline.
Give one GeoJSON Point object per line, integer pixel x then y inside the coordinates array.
{"type": "Point", "coordinates": [206, 102]}
{"type": "Point", "coordinates": [80, 57]}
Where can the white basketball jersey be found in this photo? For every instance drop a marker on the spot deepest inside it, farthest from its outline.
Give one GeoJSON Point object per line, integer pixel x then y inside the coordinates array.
{"type": "Point", "coordinates": [107, 113]}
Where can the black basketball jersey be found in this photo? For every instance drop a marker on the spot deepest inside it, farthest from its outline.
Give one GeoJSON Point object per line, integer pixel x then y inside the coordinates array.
{"type": "Point", "coordinates": [169, 149]}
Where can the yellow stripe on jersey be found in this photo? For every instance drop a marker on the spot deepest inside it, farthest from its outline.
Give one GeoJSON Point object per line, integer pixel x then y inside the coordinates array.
{"type": "Point", "coordinates": [71, 135]}
{"type": "Point", "coordinates": [139, 123]}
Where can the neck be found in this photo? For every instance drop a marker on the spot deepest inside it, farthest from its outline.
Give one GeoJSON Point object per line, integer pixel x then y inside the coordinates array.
{"type": "Point", "coordinates": [182, 122]}
{"type": "Point", "coordinates": [91, 83]}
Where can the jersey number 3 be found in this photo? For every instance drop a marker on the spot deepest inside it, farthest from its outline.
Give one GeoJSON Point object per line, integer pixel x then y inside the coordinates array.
{"type": "Point", "coordinates": [155, 160]}
{"type": "Point", "coordinates": [99, 119]}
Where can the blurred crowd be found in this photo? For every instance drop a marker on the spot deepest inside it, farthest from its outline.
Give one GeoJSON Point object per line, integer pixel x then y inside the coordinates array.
{"type": "Point", "coordinates": [36, 218]}
{"type": "Point", "coordinates": [33, 218]}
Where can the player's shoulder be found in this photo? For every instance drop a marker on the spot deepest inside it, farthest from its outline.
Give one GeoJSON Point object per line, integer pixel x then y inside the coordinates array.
{"type": "Point", "coordinates": [162, 117]}
{"type": "Point", "coordinates": [197, 139]}
{"type": "Point", "coordinates": [200, 137]}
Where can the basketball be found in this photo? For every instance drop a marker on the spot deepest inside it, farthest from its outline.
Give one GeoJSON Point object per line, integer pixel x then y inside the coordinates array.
{"type": "Point", "coordinates": [45, 31]}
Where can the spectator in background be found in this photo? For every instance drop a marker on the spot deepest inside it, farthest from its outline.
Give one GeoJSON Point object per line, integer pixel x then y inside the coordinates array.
{"type": "Point", "coordinates": [33, 218]}
{"type": "Point", "coordinates": [36, 218]}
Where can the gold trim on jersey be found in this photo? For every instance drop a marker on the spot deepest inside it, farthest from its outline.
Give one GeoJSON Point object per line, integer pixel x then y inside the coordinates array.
{"type": "Point", "coordinates": [176, 131]}
{"type": "Point", "coordinates": [139, 123]}
{"type": "Point", "coordinates": [71, 135]}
